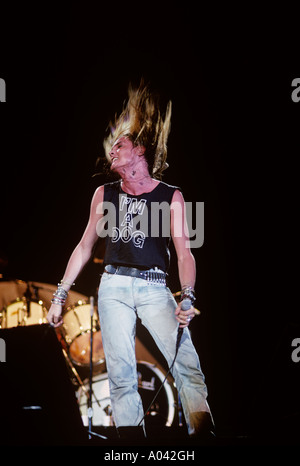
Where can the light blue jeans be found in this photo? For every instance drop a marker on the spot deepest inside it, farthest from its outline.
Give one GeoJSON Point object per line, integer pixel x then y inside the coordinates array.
{"type": "Point", "coordinates": [121, 299]}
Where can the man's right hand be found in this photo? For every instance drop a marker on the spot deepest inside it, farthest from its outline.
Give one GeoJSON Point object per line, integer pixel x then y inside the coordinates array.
{"type": "Point", "coordinates": [54, 315]}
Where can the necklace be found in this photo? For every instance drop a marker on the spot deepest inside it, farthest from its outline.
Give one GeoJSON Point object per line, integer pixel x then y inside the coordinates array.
{"type": "Point", "coordinates": [143, 186]}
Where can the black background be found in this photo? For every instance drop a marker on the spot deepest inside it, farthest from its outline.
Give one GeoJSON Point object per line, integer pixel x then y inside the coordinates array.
{"type": "Point", "coordinates": [234, 144]}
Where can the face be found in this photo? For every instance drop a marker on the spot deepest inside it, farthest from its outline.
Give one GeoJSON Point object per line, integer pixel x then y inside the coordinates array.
{"type": "Point", "coordinates": [124, 154]}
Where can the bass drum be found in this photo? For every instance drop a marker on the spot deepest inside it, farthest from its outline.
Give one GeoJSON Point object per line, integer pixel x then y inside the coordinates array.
{"type": "Point", "coordinates": [150, 378]}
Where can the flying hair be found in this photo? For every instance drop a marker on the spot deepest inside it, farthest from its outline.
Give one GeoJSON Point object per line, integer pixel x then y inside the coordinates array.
{"type": "Point", "coordinates": [142, 122]}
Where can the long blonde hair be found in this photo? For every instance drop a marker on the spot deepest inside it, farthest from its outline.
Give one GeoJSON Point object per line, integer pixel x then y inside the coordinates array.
{"type": "Point", "coordinates": [142, 122]}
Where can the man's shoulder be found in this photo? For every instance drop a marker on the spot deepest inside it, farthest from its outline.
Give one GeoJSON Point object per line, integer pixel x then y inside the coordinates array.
{"type": "Point", "coordinates": [169, 187]}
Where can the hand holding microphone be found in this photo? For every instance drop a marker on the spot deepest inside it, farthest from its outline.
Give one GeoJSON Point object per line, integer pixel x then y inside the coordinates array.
{"type": "Point", "coordinates": [183, 319]}
{"type": "Point", "coordinates": [184, 312]}
{"type": "Point", "coordinates": [182, 316]}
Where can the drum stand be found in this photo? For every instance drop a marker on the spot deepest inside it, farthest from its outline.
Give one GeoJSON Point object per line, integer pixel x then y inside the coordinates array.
{"type": "Point", "coordinates": [89, 393]}
{"type": "Point", "coordinates": [90, 407]}
{"type": "Point", "coordinates": [28, 298]}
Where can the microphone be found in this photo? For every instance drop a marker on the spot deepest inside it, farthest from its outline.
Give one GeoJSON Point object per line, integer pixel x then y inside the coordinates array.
{"type": "Point", "coordinates": [185, 305]}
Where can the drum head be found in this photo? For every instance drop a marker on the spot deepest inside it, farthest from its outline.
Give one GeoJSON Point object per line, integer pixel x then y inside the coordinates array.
{"type": "Point", "coordinates": [24, 313]}
{"type": "Point", "coordinates": [76, 331]}
{"type": "Point", "coordinates": [102, 413]}
{"type": "Point", "coordinates": [150, 378]}
{"type": "Point", "coordinates": [79, 350]}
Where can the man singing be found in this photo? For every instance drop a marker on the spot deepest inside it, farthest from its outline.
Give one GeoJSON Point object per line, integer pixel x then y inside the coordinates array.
{"type": "Point", "coordinates": [136, 264]}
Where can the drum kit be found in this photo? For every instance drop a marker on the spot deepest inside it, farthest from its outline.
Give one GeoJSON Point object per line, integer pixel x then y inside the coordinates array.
{"type": "Point", "coordinates": [26, 303]}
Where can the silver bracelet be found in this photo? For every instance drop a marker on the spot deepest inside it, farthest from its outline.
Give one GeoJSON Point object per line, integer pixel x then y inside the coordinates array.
{"type": "Point", "coordinates": [60, 296]}
{"type": "Point", "coordinates": [65, 283]}
{"type": "Point", "coordinates": [189, 293]}
{"type": "Point", "coordinates": [57, 301]}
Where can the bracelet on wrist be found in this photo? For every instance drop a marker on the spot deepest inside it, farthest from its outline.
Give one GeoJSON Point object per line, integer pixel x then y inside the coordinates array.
{"type": "Point", "coordinates": [62, 282]}
{"type": "Point", "coordinates": [187, 287]}
{"type": "Point", "coordinates": [188, 293]}
{"type": "Point", "coordinates": [60, 302]}
{"type": "Point", "coordinates": [60, 296]}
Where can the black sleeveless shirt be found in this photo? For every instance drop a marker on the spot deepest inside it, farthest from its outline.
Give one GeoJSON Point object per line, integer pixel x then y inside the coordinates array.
{"type": "Point", "coordinates": [138, 226]}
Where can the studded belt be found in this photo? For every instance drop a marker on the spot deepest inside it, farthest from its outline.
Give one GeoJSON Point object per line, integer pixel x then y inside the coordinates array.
{"type": "Point", "coordinates": [153, 277]}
